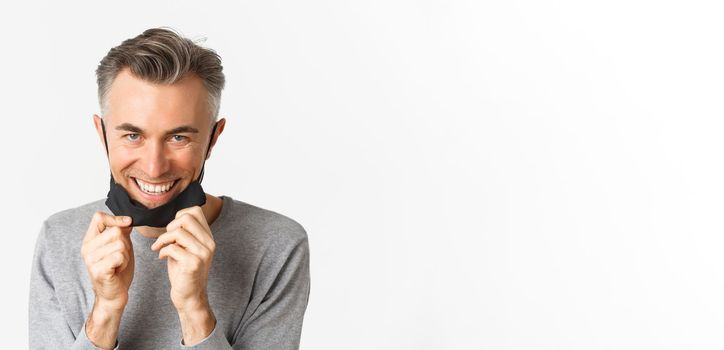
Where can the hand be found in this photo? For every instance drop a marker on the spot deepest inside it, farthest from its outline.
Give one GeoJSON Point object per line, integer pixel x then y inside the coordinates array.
{"type": "Point", "coordinates": [108, 255]}
{"type": "Point", "coordinates": [189, 247]}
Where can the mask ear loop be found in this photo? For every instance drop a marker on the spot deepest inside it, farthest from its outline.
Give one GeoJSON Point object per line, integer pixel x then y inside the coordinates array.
{"type": "Point", "coordinates": [208, 148]}
{"type": "Point", "coordinates": [105, 143]}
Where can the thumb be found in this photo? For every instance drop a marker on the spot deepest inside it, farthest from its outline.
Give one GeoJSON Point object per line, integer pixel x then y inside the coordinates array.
{"type": "Point", "coordinates": [120, 221]}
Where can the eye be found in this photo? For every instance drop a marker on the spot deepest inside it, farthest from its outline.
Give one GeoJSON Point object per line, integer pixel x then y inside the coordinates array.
{"type": "Point", "coordinates": [179, 138]}
{"type": "Point", "coordinates": [132, 137]}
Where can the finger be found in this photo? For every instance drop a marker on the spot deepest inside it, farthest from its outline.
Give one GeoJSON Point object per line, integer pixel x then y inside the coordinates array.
{"type": "Point", "coordinates": [110, 234]}
{"type": "Point", "coordinates": [197, 213]}
{"type": "Point", "coordinates": [113, 263]}
{"type": "Point", "coordinates": [107, 220]}
{"type": "Point", "coordinates": [189, 222]}
{"type": "Point", "coordinates": [175, 252]}
{"type": "Point", "coordinates": [108, 249]}
{"type": "Point", "coordinates": [101, 221]}
{"type": "Point", "coordinates": [190, 263]}
{"type": "Point", "coordinates": [182, 238]}
{"type": "Point", "coordinates": [108, 243]}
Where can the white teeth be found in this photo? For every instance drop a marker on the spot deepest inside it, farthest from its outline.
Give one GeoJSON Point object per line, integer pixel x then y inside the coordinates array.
{"type": "Point", "coordinates": [154, 189]}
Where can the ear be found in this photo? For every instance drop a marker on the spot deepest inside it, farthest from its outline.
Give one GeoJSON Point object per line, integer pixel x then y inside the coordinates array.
{"type": "Point", "coordinates": [219, 129]}
{"type": "Point", "coordinates": [99, 129]}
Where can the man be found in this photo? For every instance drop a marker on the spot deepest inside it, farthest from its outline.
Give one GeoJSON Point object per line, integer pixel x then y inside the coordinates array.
{"type": "Point", "coordinates": [160, 264]}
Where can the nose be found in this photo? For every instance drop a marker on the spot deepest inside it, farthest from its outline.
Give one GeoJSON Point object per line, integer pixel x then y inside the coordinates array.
{"type": "Point", "coordinates": [155, 161]}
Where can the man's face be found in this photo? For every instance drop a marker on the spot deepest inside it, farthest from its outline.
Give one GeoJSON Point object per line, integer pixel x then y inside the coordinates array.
{"type": "Point", "coordinates": [157, 135]}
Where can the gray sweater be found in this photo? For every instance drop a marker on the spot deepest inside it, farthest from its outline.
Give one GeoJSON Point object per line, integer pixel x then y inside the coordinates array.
{"type": "Point", "coordinates": [258, 285]}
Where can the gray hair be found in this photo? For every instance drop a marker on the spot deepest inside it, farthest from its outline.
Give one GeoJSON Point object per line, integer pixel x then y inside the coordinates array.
{"type": "Point", "coordinates": [162, 56]}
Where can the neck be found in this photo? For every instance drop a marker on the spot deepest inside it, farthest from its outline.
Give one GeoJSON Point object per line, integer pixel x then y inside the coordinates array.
{"type": "Point", "coordinates": [211, 210]}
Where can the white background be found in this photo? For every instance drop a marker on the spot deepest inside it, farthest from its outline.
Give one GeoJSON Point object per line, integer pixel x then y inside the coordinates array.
{"type": "Point", "coordinates": [472, 174]}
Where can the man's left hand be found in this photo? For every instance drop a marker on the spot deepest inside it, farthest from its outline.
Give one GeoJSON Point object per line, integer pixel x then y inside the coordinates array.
{"type": "Point", "coordinates": [189, 246]}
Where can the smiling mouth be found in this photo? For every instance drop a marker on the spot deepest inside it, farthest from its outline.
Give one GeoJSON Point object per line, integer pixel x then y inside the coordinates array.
{"type": "Point", "coordinates": [155, 189]}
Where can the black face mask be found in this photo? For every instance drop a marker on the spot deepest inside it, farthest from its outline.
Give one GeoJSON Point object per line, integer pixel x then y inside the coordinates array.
{"type": "Point", "coordinates": [121, 203]}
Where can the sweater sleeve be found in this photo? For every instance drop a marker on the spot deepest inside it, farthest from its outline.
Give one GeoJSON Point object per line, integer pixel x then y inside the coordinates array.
{"type": "Point", "coordinates": [276, 323]}
{"type": "Point", "coordinates": [215, 341]}
{"type": "Point", "coordinates": [48, 327]}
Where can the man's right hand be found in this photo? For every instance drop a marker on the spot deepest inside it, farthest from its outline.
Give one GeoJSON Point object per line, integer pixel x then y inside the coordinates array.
{"type": "Point", "coordinates": [108, 255]}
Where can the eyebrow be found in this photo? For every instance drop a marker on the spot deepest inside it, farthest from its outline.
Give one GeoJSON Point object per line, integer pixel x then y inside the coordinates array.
{"type": "Point", "coordinates": [178, 130]}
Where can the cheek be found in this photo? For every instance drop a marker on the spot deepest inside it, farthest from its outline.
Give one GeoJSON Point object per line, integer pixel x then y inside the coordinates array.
{"type": "Point", "coordinates": [181, 160]}
{"type": "Point", "coordinates": [183, 156]}
{"type": "Point", "coordinates": [121, 159]}
{"type": "Point", "coordinates": [188, 164]}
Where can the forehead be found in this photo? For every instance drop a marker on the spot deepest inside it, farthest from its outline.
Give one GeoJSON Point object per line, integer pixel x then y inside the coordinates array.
{"type": "Point", "coordinates": [155, 106]}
